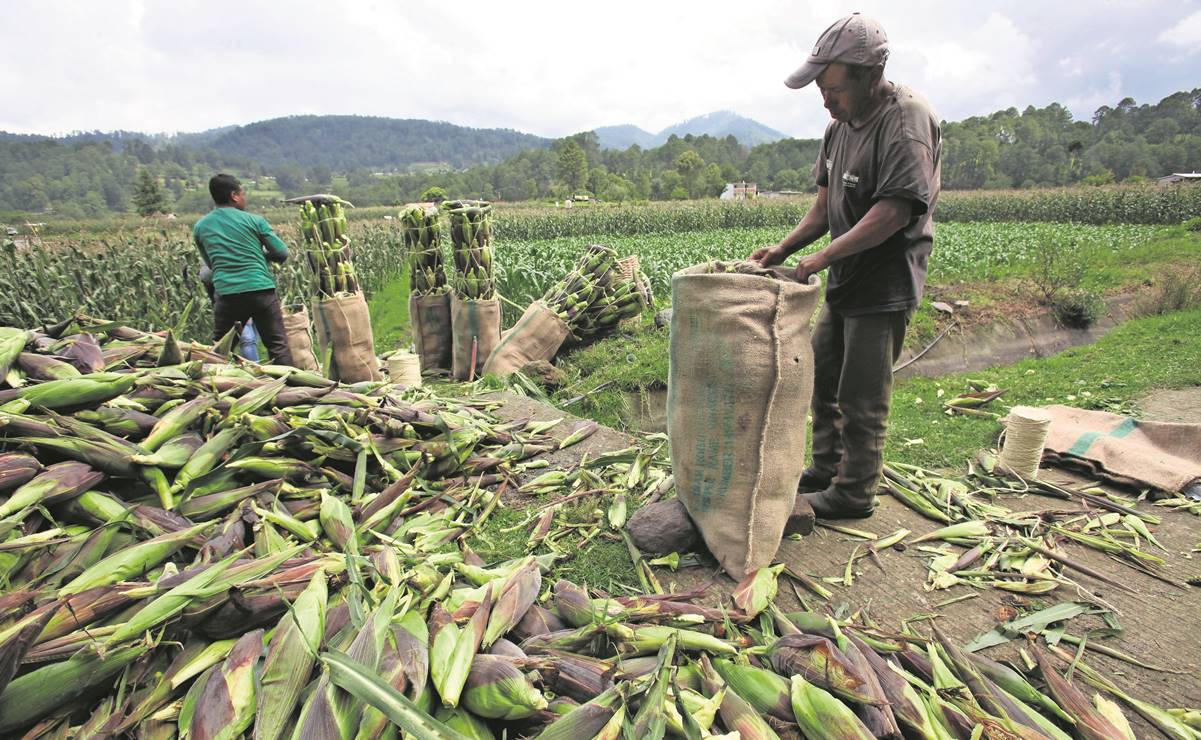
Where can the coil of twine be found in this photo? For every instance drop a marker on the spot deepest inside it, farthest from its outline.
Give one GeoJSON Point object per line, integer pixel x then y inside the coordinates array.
{"type": "Point", "coordinates": [404, 368]}
{"type": "Point", "coordinates": [1025, 435]}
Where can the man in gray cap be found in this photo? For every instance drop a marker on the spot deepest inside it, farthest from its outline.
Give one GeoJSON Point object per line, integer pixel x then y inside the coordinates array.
{"type": "Point", "coordinates": [877, 186]}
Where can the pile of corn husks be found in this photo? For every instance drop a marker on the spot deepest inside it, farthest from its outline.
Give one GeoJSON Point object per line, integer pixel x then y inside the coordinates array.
{"type": "Point", "coordinates": [197, 548]}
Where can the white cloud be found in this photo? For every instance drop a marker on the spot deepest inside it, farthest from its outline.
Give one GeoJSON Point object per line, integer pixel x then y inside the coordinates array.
{"type": "Point", "coordinates": [1186, 33]}
{"type": "Point", "coordinates": [546, 66]}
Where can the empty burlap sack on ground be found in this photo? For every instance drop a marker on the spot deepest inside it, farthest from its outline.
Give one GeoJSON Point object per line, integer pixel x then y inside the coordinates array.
{"type": "Point", "coordinates": [537, 335]}
{"type": "Point", "coordinates": [344, 324]}
{"type": "Point", "coordinates": [739, 386]}
{"type": "Point", "coordinates": [300, 339]}
{"type": "Point", "coordinates": [430, 318]}
{"type": "Point", "coordinates": [475, 327]}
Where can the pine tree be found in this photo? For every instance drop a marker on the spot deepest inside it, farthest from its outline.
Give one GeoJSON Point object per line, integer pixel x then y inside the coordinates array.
{"type": "Point", "coordinates": [148, 197]}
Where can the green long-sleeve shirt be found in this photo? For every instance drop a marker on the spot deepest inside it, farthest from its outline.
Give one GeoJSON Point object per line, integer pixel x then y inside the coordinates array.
{"type": "Point", "coordinates": [231, 242]}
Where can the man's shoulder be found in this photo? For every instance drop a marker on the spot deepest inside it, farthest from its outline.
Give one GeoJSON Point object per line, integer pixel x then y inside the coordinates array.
{"type": "Point", "coordinates": [911, 117]}
{"type": "Point", "coordinates": [913, 105]}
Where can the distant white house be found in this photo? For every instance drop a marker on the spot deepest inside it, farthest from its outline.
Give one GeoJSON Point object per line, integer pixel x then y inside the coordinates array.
{"type": "Point", "coordinates": [739, 191]}
{"type": "Point", "coordinates": [1176, 177]}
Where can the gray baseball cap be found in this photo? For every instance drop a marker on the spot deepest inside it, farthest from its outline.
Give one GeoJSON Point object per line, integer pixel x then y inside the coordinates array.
{"type": "Point", "coordinates": [855, 39]}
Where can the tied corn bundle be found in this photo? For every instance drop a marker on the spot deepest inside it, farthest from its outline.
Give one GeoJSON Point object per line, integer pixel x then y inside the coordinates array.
{"type": "Point", "coordinates": [314, 579]}
{"type": "Point", "coordinates": [471, 247]}
{"type": "Point", "coordinates": [422, 230]}
{"type": "Point", "coordinates": [323, 223]}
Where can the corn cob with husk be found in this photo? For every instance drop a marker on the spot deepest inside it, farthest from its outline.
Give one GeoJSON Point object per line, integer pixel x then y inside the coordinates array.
{"type": "Point", "coordinates": [422, 230]}
{"type": "Point", "coordinates": [471, 248]}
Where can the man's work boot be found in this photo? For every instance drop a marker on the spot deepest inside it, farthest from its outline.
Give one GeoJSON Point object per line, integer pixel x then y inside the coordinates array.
{"type": "Point", "coordinates": [833, 504]}
{"type": "Point", "coordinates": [812, 481]}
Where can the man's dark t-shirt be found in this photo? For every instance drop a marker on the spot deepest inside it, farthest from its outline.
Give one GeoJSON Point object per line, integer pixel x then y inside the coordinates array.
{"type": "Point", "coordinates": [894, 154]}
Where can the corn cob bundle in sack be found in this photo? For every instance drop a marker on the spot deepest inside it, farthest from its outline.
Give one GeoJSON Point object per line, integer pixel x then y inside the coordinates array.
{"type": "Point", "coordinates": [298, 330]}
{"type": "Point", "coordinates": [429, 293]}
{"type": "Point", "coordinates": [343, 320]}
{"type": "Point", "coordinates": [474, 308]}
{"type": "Point", "coordinates": [739, 385]}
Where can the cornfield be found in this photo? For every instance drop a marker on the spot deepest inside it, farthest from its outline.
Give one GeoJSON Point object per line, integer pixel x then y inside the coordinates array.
{"type": "Point", "coordinates": [151, 276]}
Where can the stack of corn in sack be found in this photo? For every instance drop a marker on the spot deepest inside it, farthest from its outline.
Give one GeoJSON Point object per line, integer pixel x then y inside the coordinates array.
{"type": "Point", "coordinates": [587, 303]}
{"type": "Point", "coordinates": [343, 320]}
{"type": "Point", "coordinates": [429, 292]}
{"type": "Point", "coordinates": [474, 308]}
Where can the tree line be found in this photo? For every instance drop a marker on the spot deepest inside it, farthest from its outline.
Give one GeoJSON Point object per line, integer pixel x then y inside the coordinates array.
{"type": "Point", "coordinates": [1036, 147]}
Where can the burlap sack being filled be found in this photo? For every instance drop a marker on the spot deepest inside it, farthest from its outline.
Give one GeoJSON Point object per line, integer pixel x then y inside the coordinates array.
{"type": "Point", "coordinates": [300, 339]}
{"type": "Point", "coordinates": [345, 326]}
{"type": "Point", "coordinates": [537, 335]}
{"type": "Point", "coordinates": [739, 386]}
{"type": "Point", "coordinates": [475, 328]}
{"type": "Point", "coordinates": [430, 317]}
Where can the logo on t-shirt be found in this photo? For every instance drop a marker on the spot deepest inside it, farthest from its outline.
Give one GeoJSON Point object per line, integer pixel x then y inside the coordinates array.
{"type": "Point", "coordinates": [849, 181]}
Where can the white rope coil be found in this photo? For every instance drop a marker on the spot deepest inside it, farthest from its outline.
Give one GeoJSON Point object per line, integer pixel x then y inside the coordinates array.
{"type": "Point", "coordinates": [404, 368]}
{"type": "Point", "coordinates": [1025, 435]}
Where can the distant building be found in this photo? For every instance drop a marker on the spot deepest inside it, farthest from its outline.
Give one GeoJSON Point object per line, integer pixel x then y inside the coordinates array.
{"type": "Point", "coordinates": [1176, 177]}
{"type": "Point", "coordinates": [739, 191]}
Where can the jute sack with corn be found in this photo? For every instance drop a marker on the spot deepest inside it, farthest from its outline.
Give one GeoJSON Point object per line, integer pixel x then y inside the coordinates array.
{"type": "Point", "coordinates": [474, 307]}
{"type": "Point", "coordinates": [345, 324]}
{"type": "Point", "coordinates": [739, 386]}
{"type": "Point", "coordinates": [429, 291]}
{"type": "Point", "coordinates": [537, 335]}
{"type": "Point", "coordinates": [298, 329]}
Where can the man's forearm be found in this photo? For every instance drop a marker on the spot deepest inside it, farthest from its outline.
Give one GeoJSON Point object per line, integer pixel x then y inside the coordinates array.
{"type": "Point", "coordinates": [885, 218]}
{"type": "Point", "coordinates": [812, 227]}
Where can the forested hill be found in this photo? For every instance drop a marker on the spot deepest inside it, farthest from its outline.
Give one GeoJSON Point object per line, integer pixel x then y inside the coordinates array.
{"type": "Point", "coordinates": [89, 174]}
{"type": "Point", "coordinates": [346, 143]}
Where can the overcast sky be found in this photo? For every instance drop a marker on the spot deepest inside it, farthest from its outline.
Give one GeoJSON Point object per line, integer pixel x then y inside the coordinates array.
{"type": "Point", "coordinates": [556, 68]}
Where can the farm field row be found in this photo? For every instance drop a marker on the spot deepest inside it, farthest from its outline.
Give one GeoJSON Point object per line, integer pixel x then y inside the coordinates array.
{"type": "Point", "coordinates": [150, 275]}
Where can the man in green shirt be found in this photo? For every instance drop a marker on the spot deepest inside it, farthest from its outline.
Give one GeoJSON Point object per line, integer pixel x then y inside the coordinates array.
{"type": "Point", "coordinates": [236, 246]}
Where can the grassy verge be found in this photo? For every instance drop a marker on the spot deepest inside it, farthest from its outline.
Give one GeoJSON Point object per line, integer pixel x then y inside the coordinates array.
{"type": "Point", "coordinates": [1133, 359]}
{"type": "Point", "coordinates": [389, 308]}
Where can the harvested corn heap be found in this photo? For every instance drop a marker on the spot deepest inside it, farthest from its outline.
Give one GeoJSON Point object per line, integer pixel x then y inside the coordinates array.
{"type": "Point", "coordinates": [305, 576]}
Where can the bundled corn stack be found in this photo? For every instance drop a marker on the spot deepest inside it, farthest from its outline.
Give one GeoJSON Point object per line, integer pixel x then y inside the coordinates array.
{"type": "Point", "coordinates": [324, 227]}
{"type": "Point", "coordinates": [429, 292]}
{"type": "Point", "coordinates": [343, 319]}
{"type": "Point", "coordinates": [471, 246]}
{"type": "Point", "coordinates": [586, 304]}
{"type": "Point", "coordinates": [422, 230]}
{"type": "Point", "coordinates": [474, 308]}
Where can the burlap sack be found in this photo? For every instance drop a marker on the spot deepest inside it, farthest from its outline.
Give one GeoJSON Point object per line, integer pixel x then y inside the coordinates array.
{"type": "Point", "coordinates": [300, 339]}
{"type": "Point", "coordinates": [1166, 455]}
{"type": "Point", "coordinates": [537, 335]}
{"type": "Point", "coordinates": [739, 386]}
{"type": "Point", "coordinates": [474, 325]}
{"type": "Point", "coordinates": [345, 326]}
{"type": "Point", "coordinates": [430, 318]}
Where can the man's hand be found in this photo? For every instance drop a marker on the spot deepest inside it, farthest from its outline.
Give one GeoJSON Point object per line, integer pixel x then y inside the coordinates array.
{"type": "Point", "coordinates": [811, 264]}
{"type": "Point", "coordinates": [768, 256]}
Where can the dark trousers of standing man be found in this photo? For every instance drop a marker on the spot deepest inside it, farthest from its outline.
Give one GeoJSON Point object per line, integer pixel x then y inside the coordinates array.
{"type": "Point", "coordinates": [260, 305]}
{"type": "Point", "coordinates": [852, 387]}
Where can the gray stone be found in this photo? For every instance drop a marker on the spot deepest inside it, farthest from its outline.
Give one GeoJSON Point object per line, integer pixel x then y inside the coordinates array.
{"type": "Point", "coordinates": [802, 521]}
{"type": "Point", "coordinates": [663, 318]}
{"type": "Point", "coordinates": [545, 374]}
{"type": "Point", "coordinates": [663, 527]}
